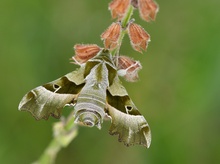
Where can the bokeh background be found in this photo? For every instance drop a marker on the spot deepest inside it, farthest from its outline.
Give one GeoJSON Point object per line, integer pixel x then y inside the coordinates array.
{"type": "Point", "coordinates": [178, 91]}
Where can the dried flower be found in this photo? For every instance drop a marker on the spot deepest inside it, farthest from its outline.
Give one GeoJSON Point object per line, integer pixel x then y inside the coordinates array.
{"type": "Point", "coordinates": [138, 36]}
{"type": "Point", "coordinates": [84, 52]}
{"type": "Point", "coordinates": [128, 68]}
{"type": "Point", "coordinates": [111, 35]}
{"type": "Point", "coordinates": [147, 8]}
{"type": "Point", "coordinates": [118, 8]}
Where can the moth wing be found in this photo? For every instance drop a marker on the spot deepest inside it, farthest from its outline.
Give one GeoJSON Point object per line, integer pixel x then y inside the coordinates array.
{"type": "Point", "coordinates": [127, 122]}
{"type": "Point", "coordinates": [49, 99]}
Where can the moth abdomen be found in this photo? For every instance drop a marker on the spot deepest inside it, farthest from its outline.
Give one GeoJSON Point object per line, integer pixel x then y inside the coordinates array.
{"type": "Point", "coordinates": [91, 102]}
{"type": "Point", "coordinates": [88, 117]}
{"type": "Point", "coordinates": [89, 109]}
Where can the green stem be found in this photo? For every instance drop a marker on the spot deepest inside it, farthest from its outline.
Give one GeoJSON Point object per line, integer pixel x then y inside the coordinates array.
{"type": "Point", "coordinates": [127, 16]}
{"type": "Point", "coordinates": [49, 155]}
{"type": "Point", "coordinates": [64, 132]}
{"type": "Point", "coordinates": [124, 22]}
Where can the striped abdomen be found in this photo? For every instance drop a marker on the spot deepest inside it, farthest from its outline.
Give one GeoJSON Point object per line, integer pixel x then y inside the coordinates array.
{"type": "Point", "coordinates": [91, 102]}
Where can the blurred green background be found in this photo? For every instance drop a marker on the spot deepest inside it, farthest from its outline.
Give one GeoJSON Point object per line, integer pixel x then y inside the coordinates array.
{"type": "Point", "coordinates": [178, 91]}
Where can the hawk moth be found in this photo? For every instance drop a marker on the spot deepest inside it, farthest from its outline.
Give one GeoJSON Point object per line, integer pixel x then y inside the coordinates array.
{"type": "Point", "coordinates": [95, 91]}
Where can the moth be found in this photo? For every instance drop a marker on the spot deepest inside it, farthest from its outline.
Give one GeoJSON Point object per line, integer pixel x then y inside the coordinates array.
{"type": "Point", "coordinates": [95, 91]}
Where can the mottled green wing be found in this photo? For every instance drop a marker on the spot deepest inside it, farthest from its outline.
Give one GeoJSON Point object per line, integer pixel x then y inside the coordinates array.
{"type": "Point", "coordinates": [127, 121]}
{"type": "Point", "coordinates": [49, 99]}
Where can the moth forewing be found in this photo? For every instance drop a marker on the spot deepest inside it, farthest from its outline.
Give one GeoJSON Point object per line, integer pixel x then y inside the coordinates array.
{"type": "Point", "coordinates": [127, 121]}
{"type": "Point", "coordinates": [49, 99]}
{"type": "Point", "coordinates": [132, 129]}
{"type": "Point", "coordinates": [42, 103]}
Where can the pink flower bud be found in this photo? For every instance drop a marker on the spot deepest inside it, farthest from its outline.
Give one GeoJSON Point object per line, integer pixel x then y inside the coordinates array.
{"type": "Point", "coordinates": [128, 68]}
{"type": "Point", "coordinates": [84, 52]}
{"type": "Point", "coordinates": [148, 9]}
{"type": "Point", "coordinates": [118, 8]}
{"type": "Point", "coordinates": [138, 36]}
{"type": "Point", "coordinates": [111, 35]}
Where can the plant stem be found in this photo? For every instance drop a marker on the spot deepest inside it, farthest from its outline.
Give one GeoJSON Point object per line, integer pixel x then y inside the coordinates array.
{"type": "Point", "coordinates": [124, 23]}
{"type": "Point", "coordinates": [64, 132]}
{"type": "Point", "coordinates": [127, 16]}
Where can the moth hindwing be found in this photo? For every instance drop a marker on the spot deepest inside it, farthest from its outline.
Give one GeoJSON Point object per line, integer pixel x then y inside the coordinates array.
{"type": "Point", "coordinates": [95, 91]}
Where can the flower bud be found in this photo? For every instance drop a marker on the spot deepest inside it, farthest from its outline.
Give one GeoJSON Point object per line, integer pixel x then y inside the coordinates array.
{"type": "Point", "coordinates": [128, 68]}
{"type": "Point", "coordinates": [118, 8]}
{"type": "Point", "coordinates": [148, 9]}
{"type": "Point", "coordinates": [111, 35]}
{"type": "Point", "coordinates": [138, 36]}
{"type": "Point", "coordinates": [84, 52]}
